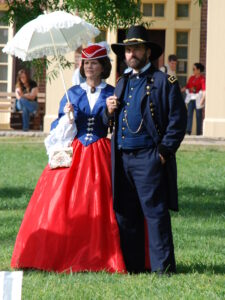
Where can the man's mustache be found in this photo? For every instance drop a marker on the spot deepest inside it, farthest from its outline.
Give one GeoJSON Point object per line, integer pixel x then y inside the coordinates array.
{"type": "Point", "coordinates": [134, 57]}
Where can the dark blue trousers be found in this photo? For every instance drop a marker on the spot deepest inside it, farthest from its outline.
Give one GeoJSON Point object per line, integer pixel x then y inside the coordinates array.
{"type": "Point", "coordinates": [142, 194]}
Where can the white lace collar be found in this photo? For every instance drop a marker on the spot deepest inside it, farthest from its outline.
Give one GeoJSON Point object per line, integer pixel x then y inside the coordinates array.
{"type": "Point", "coordinates": [87, 87]}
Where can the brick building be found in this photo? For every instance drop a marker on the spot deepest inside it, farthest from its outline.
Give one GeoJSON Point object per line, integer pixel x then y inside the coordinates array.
{"type": "Point", "coordinates": [203, 38]}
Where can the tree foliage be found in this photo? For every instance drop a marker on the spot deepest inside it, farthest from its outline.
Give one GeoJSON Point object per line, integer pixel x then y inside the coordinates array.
{"type": "Point", "coordinates": [108, 13]}
{"type": "Point", "coordinates": [101, 13]}
{"type": "Point", "coordinates": [21, 12]}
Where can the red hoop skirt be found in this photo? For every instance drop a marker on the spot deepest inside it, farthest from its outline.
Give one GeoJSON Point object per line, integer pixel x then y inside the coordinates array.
{"type": "Point", "coordinates": [69, 224]}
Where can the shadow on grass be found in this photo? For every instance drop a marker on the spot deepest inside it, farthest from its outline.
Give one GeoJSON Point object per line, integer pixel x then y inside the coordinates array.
{"type": "Point", "coordinates": [202, 202]}
{"type": "Point", "coordinates": [14, 197]}
{"type": "Point", "coordinates": [9, 226]}
{"type": "Point", "coordinates": [201, 269]}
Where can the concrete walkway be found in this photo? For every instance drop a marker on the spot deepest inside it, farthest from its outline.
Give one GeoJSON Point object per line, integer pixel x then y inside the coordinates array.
{"type": "Point", "coordinates": [20, 133]}
{"type": "Point", "coordinates": [202, 140]}
{"type": "Point", "coordinates": [188, 140]}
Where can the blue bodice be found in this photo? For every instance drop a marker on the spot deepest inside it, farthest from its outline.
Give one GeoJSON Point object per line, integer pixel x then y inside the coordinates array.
{"type": "Point", "coordinates": [90, 126]}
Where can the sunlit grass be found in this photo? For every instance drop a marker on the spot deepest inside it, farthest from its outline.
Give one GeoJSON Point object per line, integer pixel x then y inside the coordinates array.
{"type": "Point", "coordinates": [198, 230]}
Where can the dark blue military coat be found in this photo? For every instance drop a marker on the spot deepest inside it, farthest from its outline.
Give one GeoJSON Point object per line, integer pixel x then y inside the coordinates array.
{"type": "Point", "coordinates": [164, 116]}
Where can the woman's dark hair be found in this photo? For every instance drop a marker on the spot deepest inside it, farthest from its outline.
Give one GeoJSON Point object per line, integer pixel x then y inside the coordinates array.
{"type": "Point", "coordinates": [199, 66]}
{"type": "Point", "coordinates": [106, 65]}
{"type": "Point", "coordinates": [19, 83]}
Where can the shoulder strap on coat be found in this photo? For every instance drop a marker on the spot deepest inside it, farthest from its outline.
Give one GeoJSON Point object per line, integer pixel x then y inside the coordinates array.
{"type": "Point", "coordinates": [172, 78]}
{"type": "Point", "coordinates": [121, 86]}
{"type": "Point", "coordinates": [151, 71]}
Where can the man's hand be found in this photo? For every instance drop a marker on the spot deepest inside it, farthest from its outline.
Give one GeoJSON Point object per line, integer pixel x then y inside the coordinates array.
{"type": "Point", "coordinates": [112, 104]}
{"type": "Point", "coordinates": [163, 161]}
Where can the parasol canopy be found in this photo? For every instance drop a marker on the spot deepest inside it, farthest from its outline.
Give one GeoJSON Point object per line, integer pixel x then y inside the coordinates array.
{"type": "Point", "coordinates": [57, 30]}
{"type": "Point", "coordinates": [52, 33]}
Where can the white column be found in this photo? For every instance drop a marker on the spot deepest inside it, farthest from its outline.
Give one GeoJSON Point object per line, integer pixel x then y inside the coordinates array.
{"type": "Point", "coordinates": [111, 39]}
{"type": "Point", "coordinates": [5, 116]}
{"type": "Point", "coordinates": [214, 123]}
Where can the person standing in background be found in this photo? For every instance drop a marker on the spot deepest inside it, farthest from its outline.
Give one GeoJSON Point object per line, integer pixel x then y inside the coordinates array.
{"type": "Point", "coordinates": [195, 90]}
{"type": "Point", "coordinates": [170, 68]}
{"type": "Point", "coordinates": [77, 78]}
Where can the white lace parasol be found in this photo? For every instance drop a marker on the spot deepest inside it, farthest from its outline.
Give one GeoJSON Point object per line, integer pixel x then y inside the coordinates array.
{"type": "Point", "coordinates": [51, 34]}
{"type": "Point", "coordinates": [58, 29]}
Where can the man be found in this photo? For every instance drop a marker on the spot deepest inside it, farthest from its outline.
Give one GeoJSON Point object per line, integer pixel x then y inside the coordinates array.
{"type": "Point", "coordinates": [170, 68]}
{"type": "Point", "coordinates": [77, 79]}
{"type": "Point", "coordinates": [149, 124]}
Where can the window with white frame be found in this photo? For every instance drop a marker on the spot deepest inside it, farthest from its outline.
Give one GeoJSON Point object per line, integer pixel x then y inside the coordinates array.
{"type": "Point", "coordinates": [182, 10]}
{"type": "Point", "coordinates": [154, 10]}
{"type": "Point", "coordinates": [4, 34]}
{"type": "Point", "coordinates": [182, 56]}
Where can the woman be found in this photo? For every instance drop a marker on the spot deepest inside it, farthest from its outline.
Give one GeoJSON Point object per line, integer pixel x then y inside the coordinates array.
{"type": "Point", "coordinates": [26, 95]}
{"type": "Point", "coordinates": [69, 225]}
{"type": "Point", "coordinates": [195, 90]}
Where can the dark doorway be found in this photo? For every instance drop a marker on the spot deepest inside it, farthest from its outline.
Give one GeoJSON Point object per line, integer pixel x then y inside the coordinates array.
{"type": "Point", "coordinates": [156, 36]}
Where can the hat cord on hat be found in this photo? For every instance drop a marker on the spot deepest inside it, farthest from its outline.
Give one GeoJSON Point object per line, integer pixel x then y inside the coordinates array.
{"type": "Point", "coordinates": [133, 40]}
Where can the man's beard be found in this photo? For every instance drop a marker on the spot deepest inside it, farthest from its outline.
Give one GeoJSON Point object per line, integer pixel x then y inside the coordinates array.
{"type": "Point", "coordinates": [138, 63]}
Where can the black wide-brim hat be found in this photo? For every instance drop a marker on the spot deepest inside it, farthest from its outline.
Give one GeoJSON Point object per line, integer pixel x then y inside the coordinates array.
{"type": "Point", "coordinates": [137, 35]}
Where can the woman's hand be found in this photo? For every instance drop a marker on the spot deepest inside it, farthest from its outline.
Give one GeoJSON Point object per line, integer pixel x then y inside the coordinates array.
{"type": "Point", "coordinates": [19, 93]}
{"type": "Point", "coordinates": [112, 104]}
{"type": "Point", "coordinates": [202, 102]}
{"type": "Point", "coordinates": [68, 108]}
{"type": "Point", "coordinates": [32, 95]}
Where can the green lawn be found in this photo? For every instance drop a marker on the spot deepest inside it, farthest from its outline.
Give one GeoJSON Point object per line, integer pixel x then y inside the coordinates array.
{"type": "Point", "coordinates": [198, 228]}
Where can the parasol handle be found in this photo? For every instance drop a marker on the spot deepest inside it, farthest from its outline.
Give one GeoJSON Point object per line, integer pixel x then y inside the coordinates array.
{"type": "Point", "coordinates": [70, 114]}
